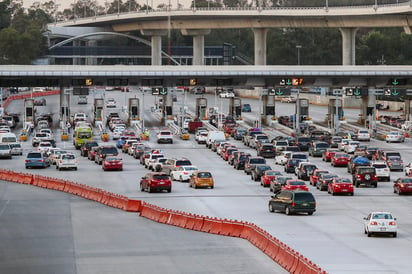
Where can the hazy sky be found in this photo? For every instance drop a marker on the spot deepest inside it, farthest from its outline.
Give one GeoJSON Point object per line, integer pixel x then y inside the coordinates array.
{"type": "Point", "coordinates": [63, 4]}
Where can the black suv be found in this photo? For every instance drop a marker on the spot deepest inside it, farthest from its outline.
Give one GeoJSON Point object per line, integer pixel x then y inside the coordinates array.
{"type": "Point", "coordinates": [293, 201]}
{"type": "Point", "coordinates": [305, 171]}
{"type": "Point", "coordinates": [365, 175]}
{"type": "Point", "coordinates": [103, 151]}
{"type": "Point", "coordinates": [240, 160]}
{"type": "Point", "coordinates": [303, 143]}
{"type": "Point", "coordinates": [266, 150]}
{"type": "Point", "coordinates": [258, 172]}
{"type": "Point", "coordinates": [291, 164]}
{"type": "Point", "coordinates": [85, 147]}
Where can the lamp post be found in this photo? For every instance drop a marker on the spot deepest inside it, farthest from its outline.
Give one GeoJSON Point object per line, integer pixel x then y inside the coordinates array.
{"type": "Point", "coordinates": [298, 47]}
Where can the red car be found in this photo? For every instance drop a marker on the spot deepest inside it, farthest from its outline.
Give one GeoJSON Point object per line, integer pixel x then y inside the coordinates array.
{"type": "Point", "coordinates": [313, 179]}
{"type": "Point", "coordinates": [340, 186]}
{"type": "Point", "coordinates": [340, 159]}
{"type": "Point", "coordinates": [225, 148]}
{"type": "Point", "coordinates": [156, 181]}
{"type": "Point", "coordinates": [402, 185]}
{"type": "Point", "coordinates": [329, 153]}
{"type": "Point", "coordinates": [112, 163]}
{"type": "Point", "coordinates": [92, 153]}
{"type": "Point", "coordinates": [295, 184]}
{"type": "Point", "coordinates": [268, 176]}
{"type": "Point", "coordinates": [228, 152]}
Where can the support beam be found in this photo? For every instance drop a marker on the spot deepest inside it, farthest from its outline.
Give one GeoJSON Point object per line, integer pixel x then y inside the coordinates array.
{"type": "Point", "coordinates": [260, 35]}
{"type": "Point", "coordinates": [348, 46]}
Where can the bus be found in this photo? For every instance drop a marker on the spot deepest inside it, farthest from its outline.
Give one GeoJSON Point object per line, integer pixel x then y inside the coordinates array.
{"type": "Point", "coordinates": [81, 135]}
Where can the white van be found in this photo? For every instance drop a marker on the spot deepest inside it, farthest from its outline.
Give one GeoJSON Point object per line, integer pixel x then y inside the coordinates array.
{"type": "Point", "coordinates": [8, 137]}
{"type": "Point", "coordinates": [214, 135]}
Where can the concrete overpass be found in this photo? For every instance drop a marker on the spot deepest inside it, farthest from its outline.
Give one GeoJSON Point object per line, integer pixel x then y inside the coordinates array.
{"type": "Point", "coordinates": [198, 22]}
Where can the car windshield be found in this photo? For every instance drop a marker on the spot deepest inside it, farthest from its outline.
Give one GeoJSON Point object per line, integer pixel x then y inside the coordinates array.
{"type": "Point", "coordinates": [165, 133]}
{"type": "Point", "coordinates": [394, 158]}
{"type": "Point", "coordinates": [262, 168]}
{"type": "Point", "coordinates": [110, 159]}
{"type": "Point", "coordinates": [68, 156]}
{"type": "Point", "coordinates": [34, 155]}
{"type": "Point", "coordinates": [282, 180]}
{"type": "Point", "coordinates": [329, 176]}
{"type": "Point", "coordinates": [257, 161]}
{"type": "Point", "coordinates": [366, 170]}
{"type": "Point", "coordinates": [281, 143]}
{"type": "Point", "coordinates": [4, 147]}
{"type": "Point", "coordinates": [379, 165]}
{"type": "Point", "coordinates": [343, 181]}
{"type": "Point", "coordinates": [382, 216]}
{"type": "Point", "coordinates": [303, 140]}
{"type": "Point", "coordinates": [190, 168]}
{"type": "Point", "coordinates": [299, 156]}
{"type": "Point", "coordinates": [296, 183]}
{"type": "Point", "coordinates": [322, 145]}
{"type": "Point", "coordinates": [304, 196]}
{"type": "Point", "coordinates": [109, 150]}
{"type": "Point", "coordinates": [204, 175]}
{"type": "Point", "coordinates": [15, 145]}
{"type": "Point", "coordinates": [309, 167]}
{"type": "Point", "coordinates": [341, 155]}
{"type": "Point", "coordinates": [273, 173]}
{"type": "Point", "coordinates": [161, 176]}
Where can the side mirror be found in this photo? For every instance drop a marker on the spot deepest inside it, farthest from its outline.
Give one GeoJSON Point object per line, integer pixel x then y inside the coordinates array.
{"type": "Point", "coordinates": [365, 218]}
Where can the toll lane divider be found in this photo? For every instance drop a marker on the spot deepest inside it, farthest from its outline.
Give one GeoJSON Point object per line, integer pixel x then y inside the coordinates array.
{"type": "Point", "coordinates": [282, 254]}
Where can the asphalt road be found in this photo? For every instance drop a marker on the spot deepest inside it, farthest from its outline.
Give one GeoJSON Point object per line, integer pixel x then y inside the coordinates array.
{"type": "Point", "coordinates": [332, 238]}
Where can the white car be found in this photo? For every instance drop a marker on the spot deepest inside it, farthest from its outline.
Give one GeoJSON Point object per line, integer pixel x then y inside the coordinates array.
{"type": "Point", "coordinates": [408, 169]}
{"type": "Point", "coordinates": [165, 136]}
{"type": "Point", "coordinates": [282, 157]}
{"type": "Point", "coordinates": [117, 132]}
{"type": "Point", "coordinates": [351, 146]}
{"type": "Point", "coordinates": [111, 103]}
{"type": "Point", "coordinates": [342, 144]}
{"type": "Point", "coordinates": [182, 173]}
{"type": "Point", "coordinates": [395, 136]}
{"type": "Point", "coordinates": [54, 155]}
{"type": "Point", "coordinates": [16, 149]}
{"type": "Point", "coordinates": [43, 146]}
{"type": "Point", "coordinates": [382, 170]}
{"type": "Point", "coordinates": [201, 137]}
{"type": "Point", "coordinates": [363, 135]}
{"type": "Point", "coordinates": [157, 164]}
{"type": "Point", "coordinates": [226, 94]}
{"type": "Point", "coordinates": [380, 223]}
{"type": "Point", "coordinates": [66, 161]}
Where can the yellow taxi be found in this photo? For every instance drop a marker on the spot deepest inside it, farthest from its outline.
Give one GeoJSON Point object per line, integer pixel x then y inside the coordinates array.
{"type": "Point", "coordinates": [201, 179]}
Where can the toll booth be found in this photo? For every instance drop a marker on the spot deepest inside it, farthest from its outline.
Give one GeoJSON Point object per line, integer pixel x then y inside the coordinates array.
{"type": "Point", "coordinates": [28, 112]}
{"type": "Point", "coordinates": [235, 107]}
{"type": "Point", "coordinates": [334, 106]}
{"type": "Point", "coordinates": [268, 108]}
{"type": "Point", "coordinates": [98, 110]}
{"type": "Point", "coordinates": [133, 110]}
{"type": "Point", "coordinates": [302, 108]}
{"type": "Point", "coordinates": [201, 108]}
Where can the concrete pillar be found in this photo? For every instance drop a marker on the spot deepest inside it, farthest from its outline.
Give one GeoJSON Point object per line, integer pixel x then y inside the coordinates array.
{"type": "Point", "coordinates": [348, 46]}
{"type": "Point", "coordinates": [198, 44]}
{"type": "Point", "coordinates": [156, 36]}
{"type": "Point", "coordinates": [260, 35]}
{"type": "Point", "coordinates": [407, 110]}
{"type": "Point", "coordinates": [76, 60]}
{"type": "Point", "coordinates": [91, 60]}
{"type": "Point", "coordinates": [156, 50]}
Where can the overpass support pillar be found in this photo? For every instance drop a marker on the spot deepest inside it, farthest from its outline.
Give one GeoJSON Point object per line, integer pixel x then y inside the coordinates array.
{"type": "Point", "coordinates": [260, 35]}
{"type": "Point", "coordinates": [198, 44]}
{"type": "Point", "coordinates": [156, 44]}
{"type": "Point", "coordinates": [91, 60]}
{"type": "Point", "coordinates": [367, 117]}
{"type": "Point", "coordinates": [407, 110]}
{"type": "Point", "coordinates": [348, 46]}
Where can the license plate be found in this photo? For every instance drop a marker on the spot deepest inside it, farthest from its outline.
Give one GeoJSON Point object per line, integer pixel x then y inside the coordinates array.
{"type": "Point", "coordinates": [162, 183]}
{"type": "Point", "coordinates": [383, 228]}
{"type": "Point", "coordinates": [410, 186]}
{"type": "Point", "coordinates": [305, 204]}
{"type": "Point", "coordinates": [344, 190]}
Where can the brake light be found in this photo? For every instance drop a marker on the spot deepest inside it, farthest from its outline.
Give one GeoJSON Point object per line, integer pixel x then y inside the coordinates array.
{"type": "Point", "coordinates": [293, 204]}
{"type": "Point", "coordinates": [374, 223]}
{"type": "Point", "coordinates": [392, 223]}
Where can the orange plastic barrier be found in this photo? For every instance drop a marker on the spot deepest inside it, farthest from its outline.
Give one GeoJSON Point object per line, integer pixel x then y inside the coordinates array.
{"type": "Point", "coordinates": [194, 222]}
{"type": "Point", "coordinates": [286, 257]}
